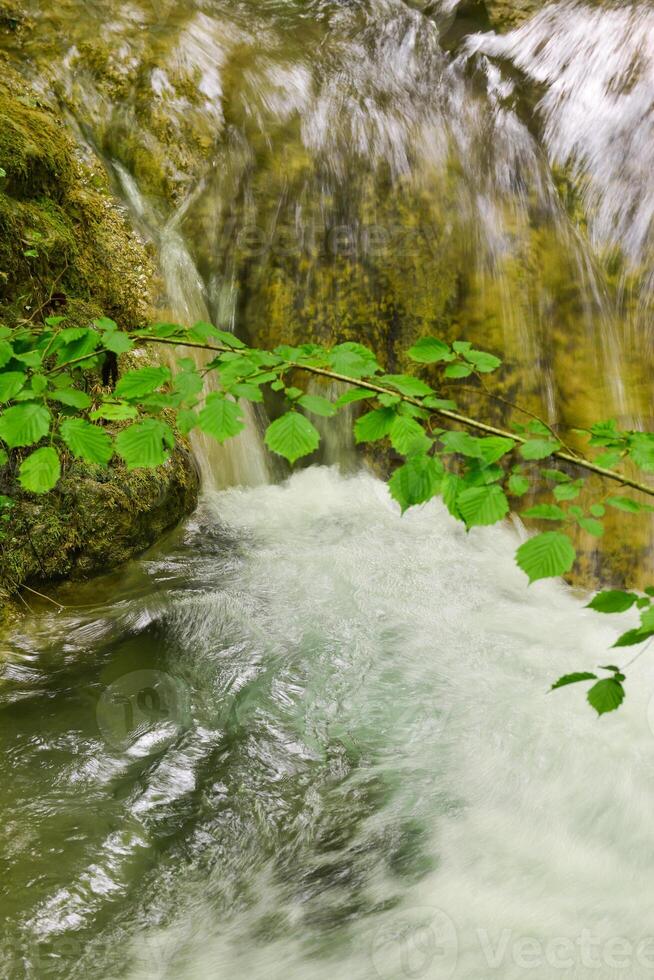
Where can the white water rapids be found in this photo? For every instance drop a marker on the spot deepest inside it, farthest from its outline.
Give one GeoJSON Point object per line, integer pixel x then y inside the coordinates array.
{"type": "Point", "coordinates": [358, 771]}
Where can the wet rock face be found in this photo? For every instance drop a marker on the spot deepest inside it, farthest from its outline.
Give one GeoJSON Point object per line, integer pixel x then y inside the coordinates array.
{"type": "Point", "coordinates": [66, 248]}
{"type": "Point", "coordinates": [504, 15]}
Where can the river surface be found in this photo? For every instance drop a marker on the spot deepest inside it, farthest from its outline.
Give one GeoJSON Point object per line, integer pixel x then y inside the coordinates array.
{"type": "Point", "coordinates": [306, 738]}
{"type": "Point", "coordinates": [311, 738]}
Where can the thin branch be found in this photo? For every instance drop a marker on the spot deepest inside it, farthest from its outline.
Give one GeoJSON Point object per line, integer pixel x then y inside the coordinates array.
{"type": "Point", "coordinates": [458, 417]}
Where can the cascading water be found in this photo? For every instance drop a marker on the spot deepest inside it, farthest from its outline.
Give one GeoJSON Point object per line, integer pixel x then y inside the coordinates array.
{"type": "Point", "coordinates": [307, 737]}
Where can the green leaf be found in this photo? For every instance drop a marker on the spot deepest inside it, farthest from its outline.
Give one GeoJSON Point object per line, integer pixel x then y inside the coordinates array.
{"type": "Point", "coordinates": [407, 385]}
{"type": "Point", "coordinates": [597, 510]}
{"type": "Point", "coordinates": [625, 504]}
{"type": "Point", "coordinates": [40, 471]}
{"type": "Point", "coordinates": [430, 350]}
{"type": "Point", "coordinates": [457, 371]}
{"type": "Point", "coordinates": [353, 395]}
{"type": "Point", "coordinates": [492, 448]}
{"type": "Point", "coordinates": [440, 403]}
{"type": "Point", "coordinates": [137, 384]}
{"type": "Point", "coordinates": [573, 679]}
{"type": "Point", "coordinates": [417, 481]}
{"type": "Point", "coordinates": [460, 442]}
{"type": "Point", "coordinates": [518, 485]}
{"type": "Point", "coordinates": [461, 346]}
{"type": "Point", "coordinates": [374, 425]}
{"type": "Point", "coordinates": [558, 476]}
{"type": "Point", "coordinates": [11, 382]}
{"type": "Point", "coordinates": [612, 601]}
{"type": "Point", "coordinates": [6, 352]}
{"type": "Point", "coordinates": [115, 412]}
{"type": "Point", "coordinates": [647, 620]}
{"type": "Point", "coordinates": [408, 436]}
{"type": "Point", "coordinates": [202, 331]}
{"type": "Point", "coordinates": [641, 450]}
{"type": "Point", "coordinates": [482, 505]}
{"type": "Point", "coordinates": [631, 638]}
{"type": "Point", "coordinates": [117, 342]}
{"type": "Point", "coordinates": [591, 526]}
{"type": "Point", "coordinates": [566, 491]}
{"type": "Point", "coordinates": [606, 695]}
{"type": "Point", "coordinates": [77, 342]}
{"type": "Point", "coordinates": [105, 324]}
{"type": "Point", "coordinates": [318, 405]}
{"type": "Point", "coordinates": [539, 448]}
{"type": "Point", "coordinates": [546, 555]}
{"type": "Point", "coordinates": [87, 441]}
{"type": "Point", "coordinates": [4, 459]}
{"type": "Point", "coordinates": [483, 362]}
{"type": "Point", "coordinates": [186, 420]}
{"type": "Point", "coordinates": [545, 512]}
{"type": "Point", "coordinates": [608, 460]}
{"type": "Point", "coordinates": [71, 396]}
{"type": "Point", "coordinates": [353, 360]}
{"type": "Point", "coordinates": [23, 425]}
{"type": "Point", "coordinates": [221, 417]}
{"type": "Point", "coordinates": [292, 436]}
{"type": "Point", "coordinates": [144, 444]}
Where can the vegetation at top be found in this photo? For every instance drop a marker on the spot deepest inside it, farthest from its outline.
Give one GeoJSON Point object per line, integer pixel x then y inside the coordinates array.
{"type": "Point", "coordinates": [480, 471]}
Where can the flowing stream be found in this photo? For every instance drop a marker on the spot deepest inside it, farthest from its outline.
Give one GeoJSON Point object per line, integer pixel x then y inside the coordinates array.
{"type": "Point", "coordinates": [306, 737]}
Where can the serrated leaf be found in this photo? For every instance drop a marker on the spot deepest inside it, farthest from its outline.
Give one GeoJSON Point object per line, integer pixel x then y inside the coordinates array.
{"type": "Point", "coordinates": [539, 448]}
{"type": "Point", "coordinates": [353, 360]}
{"type": "Point", "coordinates": [408, 436]}
{"type": "Point", "coordinates": [186, 420]}
{"type": "Point", "coordinates": [606, 695]}
{"type": "Point", "coordinates": [440, 403]}
{"type": "Point", "coordinates": [40, 471]}
{"type": "Point", "coordinates": [482, 505]}
{"type": "Point", "coordinates": [612, 601]}
{"type": "Point", "coordinates": [460, 442]}
{"type": "Point", "coordinates": [546, 555]}
{"type": "Point", "coordinates": [608, 460]}
{"type": "Point", "coordinates": [86, 441]}
{"type": "Point", "coordinates": [641, 450]}
{"type": "Point", "coordinates": [76, 342]}
{"type": "Point", "coordinates": [492, 448]}
{"type": "Point", "coordinates": [23, 425]}
{"type": "Point", "coordinates": [545, 512]}
{"type": "Point", "coordinates": [417, 481]}
{"type": "Point", "coordinates": [145, 444]}
{"type": "Point", "coordinates": [6, 352]}
{"type": "Point", "coordinates": [353, 395]}
{"type": "Point", "coordinates": [104, 323]}
{"type": "Point", "coordinates": [518, 485]}
{"type": "Point", "coordinates": [11, 382]}
{"type": "Point", "coordinates": [318, 405]}
{"type": "Point", "coordinates": [625, 504]}
{"type": "Point", "coordinates": [591, 526]}
{"type": "Point", "coordinates": [558, 476]}
{"type": "Point", "coordinates": [137, 384]}
{"type": "Point", "coordinates": [457, 371]}
{"type": "Point", "coordinates": [117, 342]}
{"type": "Point", "coordinates": [221, 417]}
{"type": "Point", "coordinates": [292, 436]}
{"type": "Point", "coordinates": [632, 638]}
{"type": "Point", "coordinates": [573, 679]}
{"type": "Point", "coordinates": [202, 331]}
{"type": "Point", "coordinates": [430, 350]}
{"type": "Point", "coordinates": [115, 412]}
{"type": "Point", "coordinates": [70, 396]}
{"type": "Point", "coordinates": [483, 362]}
{"type": "Point", "coordinates": [406, 385]}
{"type": "Point", "coordinates": [566, 491]}
{"type": "Point", "coordinates": [374, 425]}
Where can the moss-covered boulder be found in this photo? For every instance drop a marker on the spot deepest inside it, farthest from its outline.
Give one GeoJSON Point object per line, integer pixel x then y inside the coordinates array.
{"type": "Point", "coordinates": [66, 247]}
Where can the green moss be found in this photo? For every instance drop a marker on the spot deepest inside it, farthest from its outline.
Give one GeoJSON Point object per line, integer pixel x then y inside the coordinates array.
{"type": "Point", "coordinates": [59, 209]}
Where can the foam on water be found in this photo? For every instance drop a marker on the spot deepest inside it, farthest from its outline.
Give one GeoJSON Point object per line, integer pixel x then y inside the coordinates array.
{"type": "Point", "coordinates": [372, 779]}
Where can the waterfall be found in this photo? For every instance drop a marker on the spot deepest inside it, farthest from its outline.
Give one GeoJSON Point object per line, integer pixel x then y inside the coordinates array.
{"type": "Point", "coordinates": [243, 460]}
